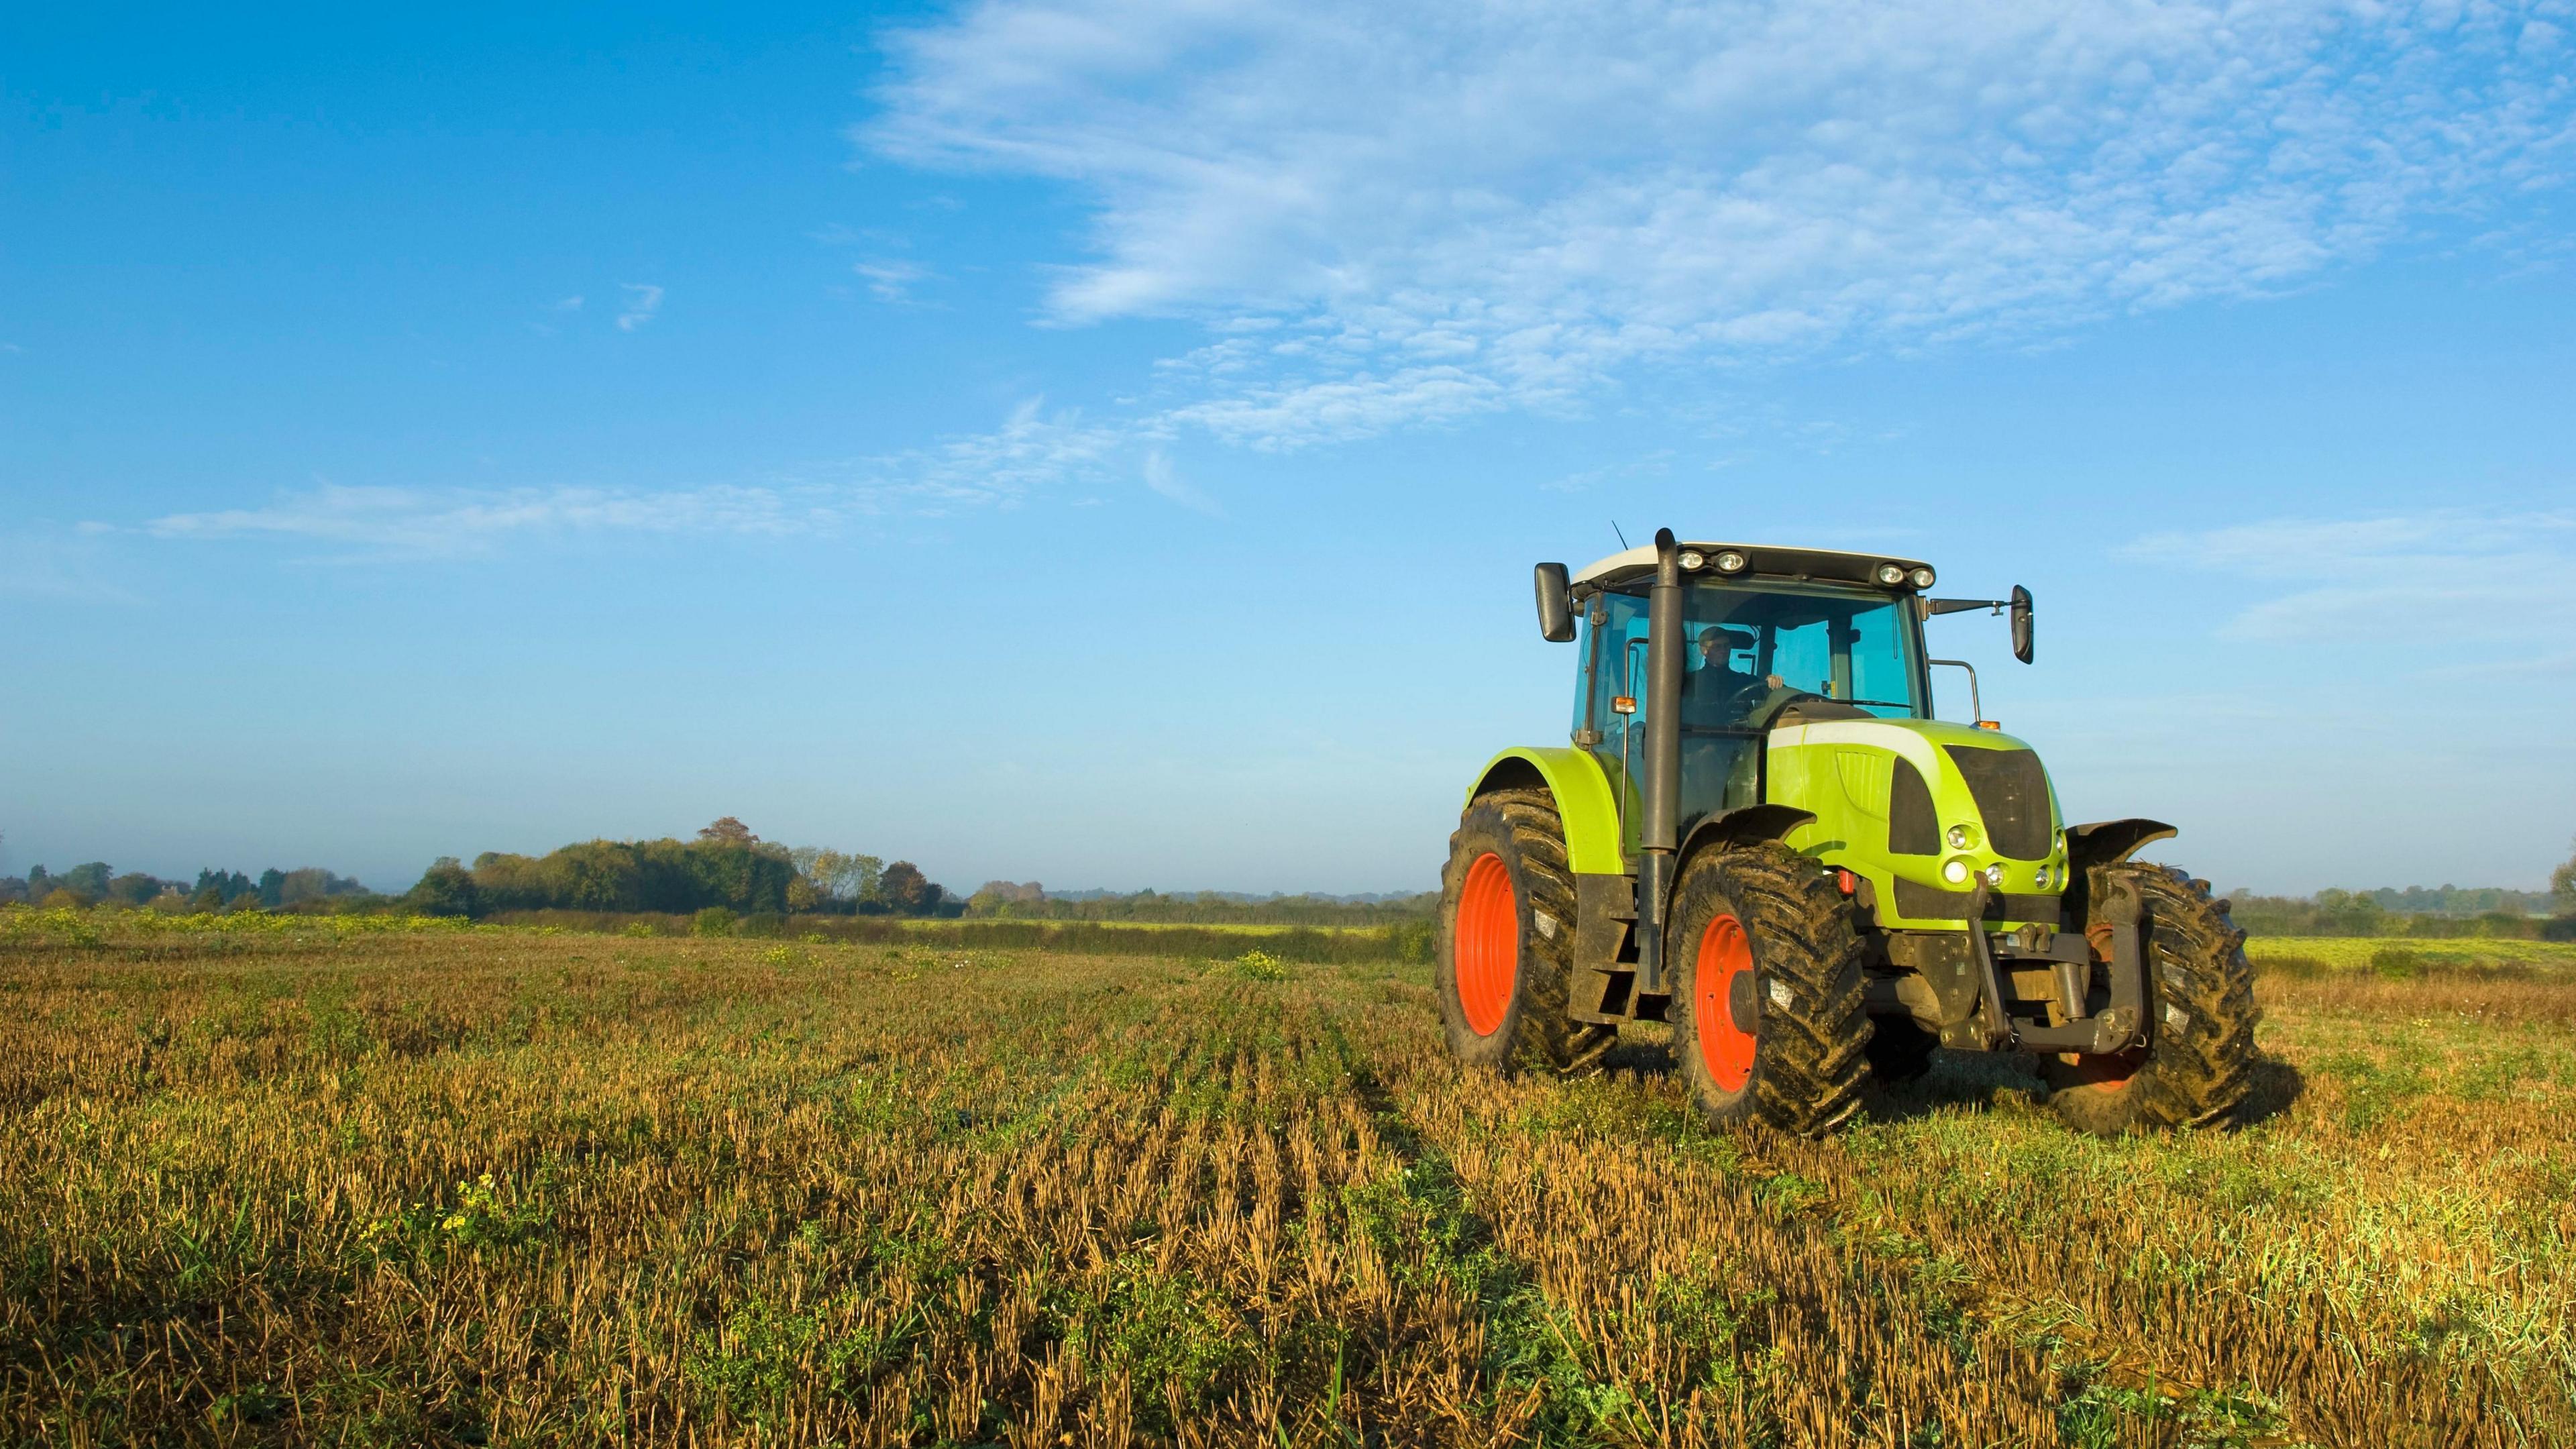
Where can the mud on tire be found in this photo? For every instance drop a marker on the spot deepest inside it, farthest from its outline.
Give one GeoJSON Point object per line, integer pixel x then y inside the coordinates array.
{"type": "Point", "coordinates": [2198, 1064]}
{"type": "Point", "coordinates": [1771, 940]}
{"type": "Point", "coordinates": [1507, 871]}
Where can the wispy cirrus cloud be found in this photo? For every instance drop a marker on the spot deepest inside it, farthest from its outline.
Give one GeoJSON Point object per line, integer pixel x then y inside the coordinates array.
{"type": "Point", "coordinates": [2480, 581]}
{"type": "Point", "coordinates": [891, 279]}
{"type": "Point", "coordinates": [1165, 480]}
{"type": "Point", "coordinates": [1032, 450]}
{"type": "Point", "coordinates": [1389, 218]}
{"type": "Point", "coordinates": [1393, 219]}
{"type": "Point", "coordinates": [643, 303]}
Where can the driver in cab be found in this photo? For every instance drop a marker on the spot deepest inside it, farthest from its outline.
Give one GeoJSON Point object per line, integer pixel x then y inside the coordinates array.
{"type": "Point", "coordinates": [1717, 695]}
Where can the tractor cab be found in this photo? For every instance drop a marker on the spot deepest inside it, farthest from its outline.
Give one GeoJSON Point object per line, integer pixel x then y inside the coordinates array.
{"type": "Point", "coordinates": [1772, 637]}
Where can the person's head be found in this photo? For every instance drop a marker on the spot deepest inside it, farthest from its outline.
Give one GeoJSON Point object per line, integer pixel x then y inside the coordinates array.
{"type": "Point", "coordinates": [1716, 644]}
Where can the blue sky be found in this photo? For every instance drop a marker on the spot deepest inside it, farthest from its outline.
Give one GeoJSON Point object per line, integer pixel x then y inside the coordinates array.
{"type": "Point", "coordinates": [1107, 445]}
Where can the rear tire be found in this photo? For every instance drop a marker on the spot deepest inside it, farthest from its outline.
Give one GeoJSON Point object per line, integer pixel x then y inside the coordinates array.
{"type": "Point", "coordinates": [2198, 1064]}
{"type": "Point", "coordinates": [1507, 938]}
{"type": "Point", "coordinates": [1767, 1005]}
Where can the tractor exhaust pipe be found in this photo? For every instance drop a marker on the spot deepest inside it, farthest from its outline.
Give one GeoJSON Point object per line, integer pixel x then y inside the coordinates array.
{"type": "Point", "coordinates": [1659, 832]}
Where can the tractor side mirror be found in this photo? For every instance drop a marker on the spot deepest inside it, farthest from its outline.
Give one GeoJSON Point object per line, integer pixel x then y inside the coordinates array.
{"type": "Point", "coordinates": [1555, 607]}
{"type": "Point", "coordinates": [2021, 623]}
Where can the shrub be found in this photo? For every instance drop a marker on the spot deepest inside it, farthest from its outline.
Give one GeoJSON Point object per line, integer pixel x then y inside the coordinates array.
{"type": "Point", "coordinates": [768, 924]}
{"type": "Point", "coordinates": [2397, 964]}
{"type": "Point", "coordinates": [713, 921]}
{"type": "Point", "coordinates": [1414, 941]}
{"type": "Point", "coordinates": [2559, 928]}
{"type": "Point", "coordinates": [1261, 966]}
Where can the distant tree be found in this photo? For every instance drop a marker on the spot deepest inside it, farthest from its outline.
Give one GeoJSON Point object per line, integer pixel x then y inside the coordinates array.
{"type": "Point", "coordinates": [504, 882]}
{"type": "Point", "coordinates": [88, 880]}
{"type": "Point", "coordinates": [729, 831]}
{"type": "Point", "coordinates": [133, 888]}
{"type": "Point", "coordinates": [746, 876]}
{"type": "Point", "coordinates": [906, 891]}
{"type": "Point", "coordinates": [225, 886]}
{"type": "Point", "coordinates": [310, 883]}
{"type": "Point", "coordinates": [447, 888]}
{"type": "Point", "coordinates": [272, 888]}
{"type": "Point", "coordinates": [60, 899]}
{"type": "Point", "coordinates": [2562, 885]}
{"type": "Point", "coordinates": [828, 879]}
{"type": "Point", "coordinates": [596, 875]}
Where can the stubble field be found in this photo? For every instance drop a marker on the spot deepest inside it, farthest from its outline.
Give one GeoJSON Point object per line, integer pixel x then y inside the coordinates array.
{"type": "Point", "coordinates": [504, 1187]}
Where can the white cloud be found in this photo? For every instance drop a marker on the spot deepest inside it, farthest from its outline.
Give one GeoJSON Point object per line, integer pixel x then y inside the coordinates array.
{"type": "Point", "coordinates": [890, 279]}
{"type": "Point", "coordinates": [2453, 579]}
{"type": "Point", "coordinates": [439, 521]}
{"type": "Point", "coordinates": [643, 301]}
{"type": "Point", "coordinates": [1032, 450]}
{"type": "Point", "coordinates": [573, 303]}
{"type": "Point", "coordinates": [1160, 476]}
{"type": "Point", "coordinates": [1442, 211]}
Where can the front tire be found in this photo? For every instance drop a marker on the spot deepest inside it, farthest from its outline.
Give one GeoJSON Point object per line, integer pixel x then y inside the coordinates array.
{"type": "Point", "coordinates": [1507, 938]}
{"type": "Point", "coordinates": [2198, 1064]}
{"type": "Point", "coordinates": [1767, 1005]}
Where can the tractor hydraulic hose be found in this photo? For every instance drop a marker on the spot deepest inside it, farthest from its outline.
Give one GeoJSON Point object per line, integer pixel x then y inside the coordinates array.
{"type": "Point", "coordinates": [1661, 830]}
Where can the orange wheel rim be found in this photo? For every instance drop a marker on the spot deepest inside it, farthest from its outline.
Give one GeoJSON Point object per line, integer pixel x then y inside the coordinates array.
{"type": "Point", "coordinates": [1488, 953]}
{"type": "Point", "coordinates": [1725, 1049]}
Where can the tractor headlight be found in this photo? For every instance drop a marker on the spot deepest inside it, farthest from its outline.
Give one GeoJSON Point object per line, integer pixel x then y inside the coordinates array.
{"type": "Point", "coordinates": [1922, 578]}
{"type": "Point", "coordinates": [1692, 558]}
{"type": "Point", "coordinates": [1730, 562]}
{"type": "Point", "coordinates": [2040, 877]}
{"type": "Point", "coordinates": [1891, 574]}
{"type": "Point", "coordinates": [1995, 875]}
{"type": "Point", "coordinates": [1962, 837]}
{"type": "Point", "coordinates": [1955, 871]}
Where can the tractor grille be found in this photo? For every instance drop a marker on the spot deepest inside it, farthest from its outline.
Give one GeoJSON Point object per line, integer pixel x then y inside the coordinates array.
{"type": "Point", "coordinates": [1931, 903]}
{"type": "Point", "coordinates": [2011, 791]}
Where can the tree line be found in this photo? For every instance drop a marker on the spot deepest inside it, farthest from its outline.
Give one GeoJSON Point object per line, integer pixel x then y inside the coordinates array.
{"type": "Point", "coordinates": [725, 867]}
{"type": "Point", "coordinates": [97, 883]}
{"type": "Point", "coordinates": [2435, 913]}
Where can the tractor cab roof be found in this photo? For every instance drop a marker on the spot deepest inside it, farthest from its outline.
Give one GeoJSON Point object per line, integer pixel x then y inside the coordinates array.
{"type": "Point", "coordinates": [1637, 566]}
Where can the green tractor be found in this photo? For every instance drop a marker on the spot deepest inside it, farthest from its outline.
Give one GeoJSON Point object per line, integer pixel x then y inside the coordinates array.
{"type": "Point", "coordinates": [1760, 835]}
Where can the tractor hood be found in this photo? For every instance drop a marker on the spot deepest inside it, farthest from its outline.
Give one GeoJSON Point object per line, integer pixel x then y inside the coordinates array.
{"type": "Point", "coordinates": [1923, 809]}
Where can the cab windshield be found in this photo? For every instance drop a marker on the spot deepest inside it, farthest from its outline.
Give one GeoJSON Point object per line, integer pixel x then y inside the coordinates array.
{"type": "Point", "coordinates": [1786, 640]}
{"type": "Point", "coordinates": [1754, 650]}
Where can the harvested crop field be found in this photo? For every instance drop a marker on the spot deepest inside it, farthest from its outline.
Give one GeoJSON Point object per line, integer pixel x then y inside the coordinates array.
{"type": "Point", "coordinates": [504, 1187]}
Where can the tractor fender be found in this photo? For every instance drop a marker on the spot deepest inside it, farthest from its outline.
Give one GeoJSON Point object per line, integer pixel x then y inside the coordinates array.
{"type": "Point", "coordinates": [1583, 801]}
{"type": "Point", "coordinates": [2108, 842]}
{"type": "Point", "coordinates": [1746, 825]}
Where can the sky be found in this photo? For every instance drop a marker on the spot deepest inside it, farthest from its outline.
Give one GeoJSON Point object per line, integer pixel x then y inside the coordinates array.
{"type": "Point", "coordinates": [1107, 444]}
